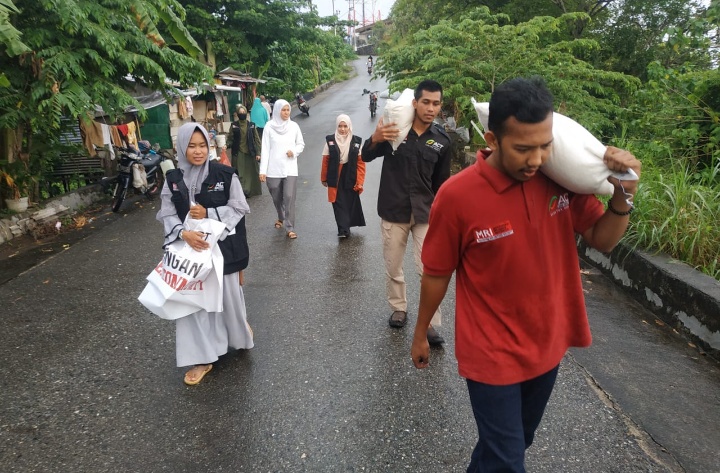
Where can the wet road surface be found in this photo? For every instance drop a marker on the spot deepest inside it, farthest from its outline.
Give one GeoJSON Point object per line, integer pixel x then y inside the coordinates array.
{"type": "Point", "coordinates": [89, 382]}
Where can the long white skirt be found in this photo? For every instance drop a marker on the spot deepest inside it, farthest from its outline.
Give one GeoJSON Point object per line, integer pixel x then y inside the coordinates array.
{"type": "Point", "coordinates": [202, 337]}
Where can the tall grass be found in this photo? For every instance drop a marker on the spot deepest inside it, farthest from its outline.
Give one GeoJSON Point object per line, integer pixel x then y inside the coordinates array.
{"type": "Point", "coordinates": [678, 212]}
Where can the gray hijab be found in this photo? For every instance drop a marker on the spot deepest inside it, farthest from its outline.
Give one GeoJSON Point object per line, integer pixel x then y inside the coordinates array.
{"type": "Point", "coordinates": [193, 176]}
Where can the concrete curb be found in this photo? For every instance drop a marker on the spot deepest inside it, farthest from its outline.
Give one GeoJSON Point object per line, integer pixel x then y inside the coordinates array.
{"type": "Point", "coordinates": [676, 293]}
{"type": "Point", "coordinates": [51, 211]}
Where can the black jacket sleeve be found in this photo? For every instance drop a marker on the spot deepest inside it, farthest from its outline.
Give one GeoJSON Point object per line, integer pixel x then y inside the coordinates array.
{"type": "Point", "coordinates": [382, 149]}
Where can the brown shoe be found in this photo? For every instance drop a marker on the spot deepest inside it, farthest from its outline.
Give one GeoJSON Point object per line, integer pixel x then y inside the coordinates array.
{"type": "Point", "coordinates": [434, 338]}
{"type": "Point", "coordinates": [398, 319]}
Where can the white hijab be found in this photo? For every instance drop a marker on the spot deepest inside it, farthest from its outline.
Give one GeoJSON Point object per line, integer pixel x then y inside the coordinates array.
{"type": "Point", "coordinates": [343, 142]}
{"type": "Point", "coordinates": [277, 124]}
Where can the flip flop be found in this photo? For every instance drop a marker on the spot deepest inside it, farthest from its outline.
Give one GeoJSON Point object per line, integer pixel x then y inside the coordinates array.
{"type": "Point", "coordinates": [292, 235]}
{"type": "Point", "coordinates": [278, 224]}
{"type": "Point", "coordinates": [197, 381]}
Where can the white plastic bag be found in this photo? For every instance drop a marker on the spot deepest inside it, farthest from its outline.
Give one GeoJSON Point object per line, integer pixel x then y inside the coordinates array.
{"type": "Point", "coordinates": [576, 157]}
{"type": "Point", "coordinates": [186, 280]}
{"type": "Point", "coordinates": [139, 177]}
{"type": "Point", "coordinates": [401, 112]}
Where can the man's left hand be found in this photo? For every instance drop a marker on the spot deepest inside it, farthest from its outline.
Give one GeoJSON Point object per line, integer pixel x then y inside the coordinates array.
{"type": "Point", "coordinates": [620, 160]}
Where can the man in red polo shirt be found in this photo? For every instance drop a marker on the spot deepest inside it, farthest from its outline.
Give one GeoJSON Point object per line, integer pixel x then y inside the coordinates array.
{"type": "Point", "coordinates": [509, 232]}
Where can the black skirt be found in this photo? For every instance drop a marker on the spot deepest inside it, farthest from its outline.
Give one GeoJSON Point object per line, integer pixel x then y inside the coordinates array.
{"type": "Point", "coordinates": [347, 206]}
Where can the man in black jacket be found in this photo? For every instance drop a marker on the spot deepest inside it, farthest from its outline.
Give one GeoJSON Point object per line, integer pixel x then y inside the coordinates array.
{"type": "Point", "coordinates": [411, 176]}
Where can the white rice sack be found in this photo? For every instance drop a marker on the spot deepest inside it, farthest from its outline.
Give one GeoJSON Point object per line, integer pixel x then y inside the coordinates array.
{"type": "Point", "coordinates": [576, 158]}
{"type": "Point", "coordinates": [400, 112]}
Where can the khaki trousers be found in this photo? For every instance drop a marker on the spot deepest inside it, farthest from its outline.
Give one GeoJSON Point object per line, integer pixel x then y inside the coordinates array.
{"type": "Point", "coordinates": [395, 238]}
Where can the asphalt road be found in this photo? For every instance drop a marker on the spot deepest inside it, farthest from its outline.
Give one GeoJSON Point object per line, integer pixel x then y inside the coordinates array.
{"type": "Point", "coordinates": [89, 382]}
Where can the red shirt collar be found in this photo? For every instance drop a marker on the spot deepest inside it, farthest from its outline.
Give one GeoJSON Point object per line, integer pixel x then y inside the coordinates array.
{"type": "Point", "coordinates": [497, 179]}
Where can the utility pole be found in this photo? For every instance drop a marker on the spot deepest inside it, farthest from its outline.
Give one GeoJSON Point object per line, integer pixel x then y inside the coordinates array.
{"type": "Point", "coordinates": [351, 19]}
{"type": "Point", "coordinates": [363, 15]}
{"type": "Point", "coordinates": [333, 9]}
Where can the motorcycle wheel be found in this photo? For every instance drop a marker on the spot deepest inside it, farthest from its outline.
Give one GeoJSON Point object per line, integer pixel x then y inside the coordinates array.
{"type": "Point", "coordinates": [156, 186]}
{"type": "Point", "coordinates": [118, 196]}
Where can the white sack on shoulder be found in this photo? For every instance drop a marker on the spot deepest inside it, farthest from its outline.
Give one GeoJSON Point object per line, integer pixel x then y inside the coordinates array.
{"type": "Point", "coordinates": [576, 158]}
{"type": "Point", "coordinates": [402, 113]}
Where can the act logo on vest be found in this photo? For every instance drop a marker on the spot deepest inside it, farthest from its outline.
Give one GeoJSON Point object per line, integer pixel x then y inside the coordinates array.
{"type": "Point", "coordinates": [218, 187]}
{"type": "Point", "coordinates": [558, 203]}
{"type": "Point", "coordinates": [434, 145]}
{"type": "Point", "coordinates": [500, 230]}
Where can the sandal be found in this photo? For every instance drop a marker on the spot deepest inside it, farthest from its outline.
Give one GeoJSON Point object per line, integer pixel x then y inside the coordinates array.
{"type": "Point", "coordinates": [292, 235]}
{"type": "Point", "coordinates": [194, 369]}
{"type": "Point", "coordinates": [278, 224]}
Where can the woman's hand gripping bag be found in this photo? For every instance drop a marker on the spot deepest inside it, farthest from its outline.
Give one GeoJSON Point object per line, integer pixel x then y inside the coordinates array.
{"type": "Point", "coordinates": [402, 113]}
{"type": "Point", "coordinates": [576, 157]}
{"type": "Point", "coordinates": [186, 280]}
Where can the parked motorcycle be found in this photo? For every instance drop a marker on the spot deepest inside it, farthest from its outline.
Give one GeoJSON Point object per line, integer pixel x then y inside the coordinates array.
{"type": "Point", "coordinates": [373, 101]}
{"type": "Point", "coordinates": [143, 171]}
{"type": "Point", "coordinates": [302, 104]}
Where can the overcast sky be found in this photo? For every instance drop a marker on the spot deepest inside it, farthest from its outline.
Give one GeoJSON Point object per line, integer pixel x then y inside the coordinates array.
{"type": "Point", "coordinates": [325, 8]}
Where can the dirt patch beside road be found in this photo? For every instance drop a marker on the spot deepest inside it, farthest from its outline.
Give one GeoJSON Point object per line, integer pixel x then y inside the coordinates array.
{"type": "Point", "coordinates": [22, 253]}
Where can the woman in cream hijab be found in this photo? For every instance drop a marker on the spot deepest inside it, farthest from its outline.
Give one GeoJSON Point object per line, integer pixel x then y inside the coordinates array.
{"type": "Point", "coordinates": [343, 173]}
{"type": "Point", "coordinates": [192, 190]}
{"type": "Point", "coordinates": [282, 143]}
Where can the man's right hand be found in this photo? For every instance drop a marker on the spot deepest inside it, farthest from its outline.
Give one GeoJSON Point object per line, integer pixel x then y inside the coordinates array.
{"type": "Point", "coordinates": [420, 351]}
{"type": "Point", "coordinates": [262, 177]}
{"type": "Point", "coordinates": [385, 132]}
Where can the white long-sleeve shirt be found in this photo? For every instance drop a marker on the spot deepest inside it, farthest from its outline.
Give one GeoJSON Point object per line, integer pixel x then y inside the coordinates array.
{"type": "Point", "coordinates": [274, 161]}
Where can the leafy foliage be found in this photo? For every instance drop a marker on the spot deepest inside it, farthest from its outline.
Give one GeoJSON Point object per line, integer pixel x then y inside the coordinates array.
{"type": "Point", "coordinates": [79, 54]}
{"type": "Point", "coordinates": [281, 38]}
{"type": "Point", "coordinates": [83, 54]}
{"type": "Point", "coordinates": [481, 50]}
{"type": "Point", "coordinates": [9, 36]}
{"type": "Point", "coordinates": [666, 109]}
{"type": "Point", "coordinates": [634, 34]}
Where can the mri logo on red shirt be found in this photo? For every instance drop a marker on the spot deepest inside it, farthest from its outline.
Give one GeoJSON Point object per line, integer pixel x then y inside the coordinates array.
{"type": "Point", "coordinates": [500, 230]}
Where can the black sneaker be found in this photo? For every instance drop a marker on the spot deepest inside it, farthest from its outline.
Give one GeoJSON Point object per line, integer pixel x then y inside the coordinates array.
{"type": "Point", "coordinates": [398, 319]}
{"type": "Point", "coordinates": [434, 338]}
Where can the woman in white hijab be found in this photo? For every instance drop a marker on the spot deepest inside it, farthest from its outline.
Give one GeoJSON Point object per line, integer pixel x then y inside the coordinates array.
{"type": "Point", "coordinates": [282, 143]}
{"type": "Point", "coordinates": [201, 188]}
{"type": "Point", "coordinates": [343, 173]}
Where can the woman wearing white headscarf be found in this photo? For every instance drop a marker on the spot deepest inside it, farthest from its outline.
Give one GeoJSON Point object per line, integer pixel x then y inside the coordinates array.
{"type": "Point", "coordinates": [343, 173]}
{"type": "Point", "coordinates": [282, 143]}
{"type": "Point", "coordinates": [203, 188]}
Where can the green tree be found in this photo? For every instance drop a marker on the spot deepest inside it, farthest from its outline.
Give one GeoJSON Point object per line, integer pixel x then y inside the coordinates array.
{"type": "Point", "coordinates": [9, 36]}
{"type": "Point", "coordinates": [282, 38]}
{"type": "Point", "coordinates": [634, 35]}
{"type": "Point", "coordinates": [481, 50]}
{"type": "Point", "coordinates": [84, 53]}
